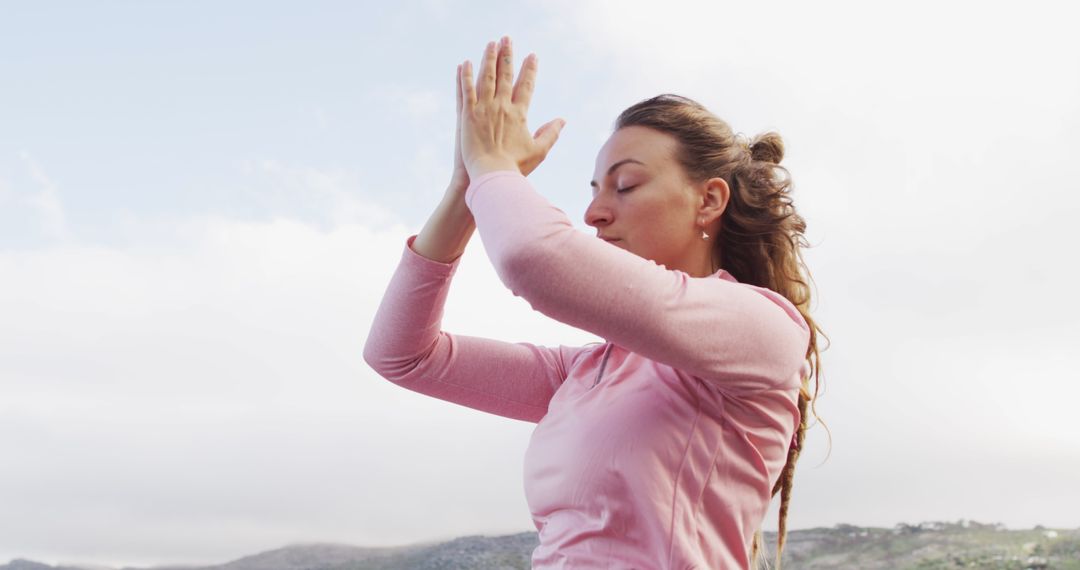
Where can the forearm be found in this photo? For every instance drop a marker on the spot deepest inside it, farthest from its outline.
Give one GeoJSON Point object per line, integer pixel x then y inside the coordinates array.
{"type": "Point", "coordinates": [448, 230]}
{"type": "Point", "coordinates": [407, 346]}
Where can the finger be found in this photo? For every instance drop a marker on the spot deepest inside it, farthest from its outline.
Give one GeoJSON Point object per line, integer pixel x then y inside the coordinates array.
{"type": "Point", "coordinates": [469, 90]}
{"type": "Point", "coordinates": [504, 82]}
{"type": "Point", "coordinates": [523, 90]}
{"type": "Point", "coordinates": [485, 88]}
{"type": "Point", "coordinates": [457, 91]}
{"type": "Point", "coordinates": [548, 133]}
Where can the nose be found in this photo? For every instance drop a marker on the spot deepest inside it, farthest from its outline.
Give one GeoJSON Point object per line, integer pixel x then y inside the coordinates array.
{"type": "Point", "coordinates": [598, 214]}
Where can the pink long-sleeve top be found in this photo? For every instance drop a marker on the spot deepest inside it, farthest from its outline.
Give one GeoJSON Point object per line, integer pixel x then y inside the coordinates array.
{"type": "Point", "coordinates": [656, 449]}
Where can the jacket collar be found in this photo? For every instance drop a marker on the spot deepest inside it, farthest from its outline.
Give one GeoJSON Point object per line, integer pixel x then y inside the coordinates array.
{"type": "Point", "coordinates": [723, 274]}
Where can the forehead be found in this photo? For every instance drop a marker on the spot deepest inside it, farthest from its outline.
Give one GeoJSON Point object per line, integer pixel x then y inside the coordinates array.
{"type": "Point", "coordinates": [654, 148]}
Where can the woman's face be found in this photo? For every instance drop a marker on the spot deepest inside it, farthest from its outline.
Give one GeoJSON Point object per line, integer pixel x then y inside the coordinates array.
{"type": "Point", "coordinates": [657, 213]}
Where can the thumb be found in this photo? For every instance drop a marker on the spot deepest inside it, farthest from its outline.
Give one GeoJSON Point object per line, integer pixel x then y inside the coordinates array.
{"type": "Point", "coordinates": [548, 133]}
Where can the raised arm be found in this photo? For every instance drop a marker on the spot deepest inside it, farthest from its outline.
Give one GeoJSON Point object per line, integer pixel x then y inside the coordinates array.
{"type": "Point", "coordinates": [738, 336]}
{"type": "Point", "coordinates": [406, 343]}
{"type": "Point", "coordinates": [407, 346]}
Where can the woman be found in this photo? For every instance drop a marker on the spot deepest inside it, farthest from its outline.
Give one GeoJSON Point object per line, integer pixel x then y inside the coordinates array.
{"type": "Point", "coordinates": [662, 447]}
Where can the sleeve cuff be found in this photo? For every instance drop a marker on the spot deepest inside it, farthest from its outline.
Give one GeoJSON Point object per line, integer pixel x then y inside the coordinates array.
{"type": "Point", "coordinates": [425, 265]}
{"type": "Point", "coordinates": [483, 179]}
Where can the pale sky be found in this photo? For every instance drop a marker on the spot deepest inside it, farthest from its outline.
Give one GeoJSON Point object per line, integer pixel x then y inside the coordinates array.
{"type": "Point", "coordinates": [201, 204]}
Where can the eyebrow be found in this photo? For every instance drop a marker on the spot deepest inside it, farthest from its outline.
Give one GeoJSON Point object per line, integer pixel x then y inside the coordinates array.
{"type": "Point", "coordinates": [614, 166]}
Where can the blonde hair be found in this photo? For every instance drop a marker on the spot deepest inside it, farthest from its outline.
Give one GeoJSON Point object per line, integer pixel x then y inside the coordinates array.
{"type": "Point", "coordinates": [759, 237]}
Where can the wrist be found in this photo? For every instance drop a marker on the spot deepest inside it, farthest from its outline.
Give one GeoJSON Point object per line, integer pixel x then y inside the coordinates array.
{"type": "Point", "coordinates": [483, 164]}
{"type": "Point", "coordinates": [458, 185]}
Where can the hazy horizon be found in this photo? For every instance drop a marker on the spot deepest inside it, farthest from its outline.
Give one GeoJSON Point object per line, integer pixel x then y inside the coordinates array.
{"type": "Point", "coordinates": [770, 546]}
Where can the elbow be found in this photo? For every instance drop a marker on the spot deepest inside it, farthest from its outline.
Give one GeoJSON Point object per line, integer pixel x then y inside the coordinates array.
{"type": "Point", "coordinates": [780, 353]}
{"type": "Point", "coordinates": [379, 360]}
{"type": "Point", "coordinates": [391, 365]}
{"type": "Point", "coordinates": [787, 334]}
{"type": "Point", "coordinates": [792, 354]}
{"type": "Point", "coordinates": [372, 356]}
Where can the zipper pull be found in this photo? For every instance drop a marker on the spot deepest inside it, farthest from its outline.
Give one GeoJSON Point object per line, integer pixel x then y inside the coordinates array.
{"type": "Point", "coordinates": [603, 363]}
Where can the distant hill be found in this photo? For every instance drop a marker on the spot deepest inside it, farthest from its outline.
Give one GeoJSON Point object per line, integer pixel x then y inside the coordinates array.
{"type": "Point", "coordinates": [923, 546]}
{"type": "Point", "coordinates": [930, 546]}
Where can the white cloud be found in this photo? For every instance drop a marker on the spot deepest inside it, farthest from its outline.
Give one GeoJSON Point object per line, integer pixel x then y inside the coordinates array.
{"type": "Point", "coordinates": [325, 197]}
{"type": "Point", "coordinates": [216, 395]}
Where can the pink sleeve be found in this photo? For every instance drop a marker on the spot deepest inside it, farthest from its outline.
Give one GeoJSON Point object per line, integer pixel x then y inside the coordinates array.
{"type": "Point", "coordinates": [732, 334]}
{"type": "Point", "coordinates": [407, 346]}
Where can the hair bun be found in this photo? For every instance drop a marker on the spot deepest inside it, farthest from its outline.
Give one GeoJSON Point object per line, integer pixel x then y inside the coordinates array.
{"type": "Point", "coordinates": [768, 147]}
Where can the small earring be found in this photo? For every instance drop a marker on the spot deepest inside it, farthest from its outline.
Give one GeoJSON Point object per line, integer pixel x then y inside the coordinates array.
{"type": "Point", "coordinates": [703, 234]}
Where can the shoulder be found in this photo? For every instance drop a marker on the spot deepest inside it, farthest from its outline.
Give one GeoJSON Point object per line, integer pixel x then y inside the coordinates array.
{"type": "Point", "coordinates": [782, 302]}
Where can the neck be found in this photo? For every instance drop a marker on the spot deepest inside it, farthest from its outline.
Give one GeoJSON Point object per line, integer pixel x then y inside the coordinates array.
{"type": "Point", "coordinates": [707, 267]}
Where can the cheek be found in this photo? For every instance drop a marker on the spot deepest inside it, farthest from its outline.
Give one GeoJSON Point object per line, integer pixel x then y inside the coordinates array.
{"type": "Point", "coordinates": [654, 217]}
{"type": "Point", "coordinates": [681, 212]}
{"type": "Point", "coordinates": [674, 216]}
{"type": "Point", "coordinates": [655, 229]}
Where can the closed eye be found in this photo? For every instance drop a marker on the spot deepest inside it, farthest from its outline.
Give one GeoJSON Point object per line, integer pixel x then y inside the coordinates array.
{"type": "Point", "coordinates": [627, 189]}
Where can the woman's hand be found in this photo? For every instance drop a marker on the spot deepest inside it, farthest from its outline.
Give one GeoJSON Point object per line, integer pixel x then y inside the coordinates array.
{"type": "Point", "coordinates": [460, 178]}
{"type": "Point", "coordinates": [493, 134]}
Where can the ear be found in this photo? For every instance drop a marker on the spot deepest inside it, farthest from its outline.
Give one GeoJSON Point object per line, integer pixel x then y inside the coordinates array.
{"type": "Point", "coordinates": [715, 197]}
